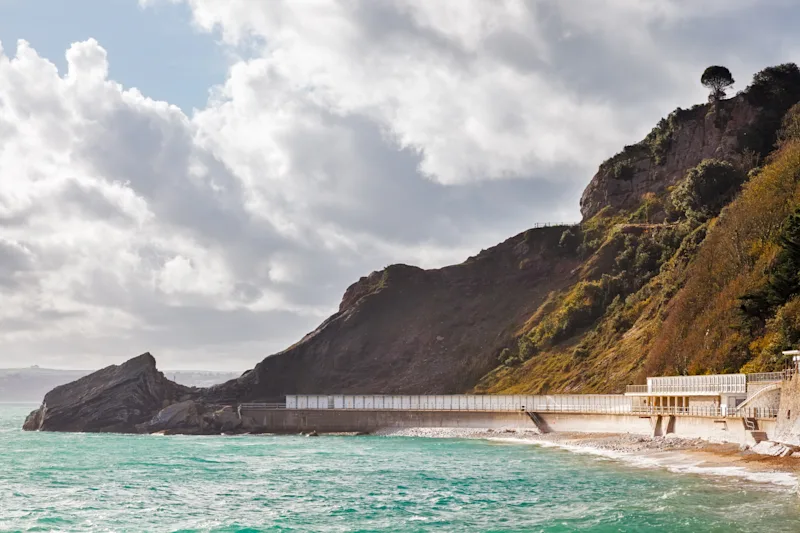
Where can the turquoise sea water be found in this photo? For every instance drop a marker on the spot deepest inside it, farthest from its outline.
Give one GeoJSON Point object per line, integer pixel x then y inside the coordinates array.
{"type": "Point", "coordinates": [82, 482]}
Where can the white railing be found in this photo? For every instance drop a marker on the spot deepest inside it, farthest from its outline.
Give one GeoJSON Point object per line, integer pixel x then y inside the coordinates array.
{"type": "Point", "coordinates": [588, 404]}
{"type": "Point", "coordinates": [262, 406]}
{"type": "Point", "coordinates": [732, 388]}
{"type": "Point", "coordinates": [710, 411]}
{"type": "Point", "coordinates": [770, 376]}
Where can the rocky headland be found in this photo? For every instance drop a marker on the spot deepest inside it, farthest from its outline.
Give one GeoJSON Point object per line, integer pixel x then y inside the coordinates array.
{"type": "Point", "coordinates": [133, 397]}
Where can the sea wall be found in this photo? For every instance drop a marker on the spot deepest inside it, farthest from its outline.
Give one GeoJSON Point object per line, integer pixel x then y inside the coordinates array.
{"type": "Point", "coordinates": [367, 421]}
{"type": "Point", "coordinates": [334, 421]}
{"type": "Point", "coordinates": [597, 423]}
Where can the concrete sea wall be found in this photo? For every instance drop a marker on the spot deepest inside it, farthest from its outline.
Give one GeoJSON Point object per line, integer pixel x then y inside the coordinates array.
{"type": "Point", "coordinates": [334, 421]}
{"type": "Point", "coordinates": [367, 421]}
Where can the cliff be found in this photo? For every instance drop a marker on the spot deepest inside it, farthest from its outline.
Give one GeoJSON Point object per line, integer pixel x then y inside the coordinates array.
{"type": "Point", "coordinates": [679, 142]}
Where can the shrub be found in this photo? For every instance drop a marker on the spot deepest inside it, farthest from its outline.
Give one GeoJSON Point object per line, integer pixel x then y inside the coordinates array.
{"type": "Point", "coordinates": [774, 90]}
{"type": "Point", "coordinates": [570, 239]}
{"type": "Point", "coordinates": [790, 126]}
{"type": "Point", "coordinates": [706, 189]}
{"type": "Point", "coordinates": [784, 276]}
{"type": "Point", "coordinates": [775, 87]}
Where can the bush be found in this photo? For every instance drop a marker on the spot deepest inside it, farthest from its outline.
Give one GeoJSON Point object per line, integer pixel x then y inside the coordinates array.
{"type": "Point", "coordinates": [774, 90]}
{"type": "Point", "coordinates": [784, 275]}
{"type": "Point", "coordinates": [790, 126]}
{"type": "Point", "coordinates": [775, 87]}
{"type": "Point", "coordinates": [570, 239]}
{"type": "Point", "coordinates": [706, 189]}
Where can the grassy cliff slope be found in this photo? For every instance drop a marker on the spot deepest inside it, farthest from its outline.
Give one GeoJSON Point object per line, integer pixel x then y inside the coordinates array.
{"type": "Point", "coordinates": [685, 271]}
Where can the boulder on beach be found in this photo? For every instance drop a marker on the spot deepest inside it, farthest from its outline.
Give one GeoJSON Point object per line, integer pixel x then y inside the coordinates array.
{"type": "Point", "coordinates": [775, 449]}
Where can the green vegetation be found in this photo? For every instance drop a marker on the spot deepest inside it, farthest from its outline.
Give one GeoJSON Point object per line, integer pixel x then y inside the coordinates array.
{"type": "Point", "coordinates": [706, 189]}
{"type": "Point", "coordinates": [774, 90]}
{"type": "Point", "coordinates": [701, 277]}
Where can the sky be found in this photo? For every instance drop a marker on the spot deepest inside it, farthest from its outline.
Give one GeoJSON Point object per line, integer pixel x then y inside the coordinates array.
{"type": "Point", "coordinates": [203, 179]}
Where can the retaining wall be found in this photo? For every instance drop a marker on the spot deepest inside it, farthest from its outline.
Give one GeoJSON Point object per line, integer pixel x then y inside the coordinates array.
{"type": "Point", "coordinates": [788, 430]}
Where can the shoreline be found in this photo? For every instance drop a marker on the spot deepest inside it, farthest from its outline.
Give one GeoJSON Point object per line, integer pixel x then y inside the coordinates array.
{"type": "Point", "coordinates": [675, 454]}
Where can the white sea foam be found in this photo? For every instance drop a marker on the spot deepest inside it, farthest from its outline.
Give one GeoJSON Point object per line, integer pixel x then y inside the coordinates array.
{"type": "Point", "coordinates": [451, 433]}
{"type": "Point", "coordinates": [674, 461]}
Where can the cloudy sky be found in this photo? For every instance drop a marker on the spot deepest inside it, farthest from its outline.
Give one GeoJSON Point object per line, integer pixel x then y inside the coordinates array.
{"type": "Point", "coordinates": [204, 178]}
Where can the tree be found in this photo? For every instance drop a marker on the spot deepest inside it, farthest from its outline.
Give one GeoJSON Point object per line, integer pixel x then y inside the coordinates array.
{"type": "Point", "coordinates": [717, 79]}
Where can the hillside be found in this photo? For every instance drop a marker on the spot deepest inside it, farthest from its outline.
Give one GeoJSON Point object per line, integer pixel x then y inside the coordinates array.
{"type": "Point", "coordinates": [681, 254]}
{"type": "Point", "coordinates": [413, 331]}
{"type": "Point", "coordinates": [653, 280]}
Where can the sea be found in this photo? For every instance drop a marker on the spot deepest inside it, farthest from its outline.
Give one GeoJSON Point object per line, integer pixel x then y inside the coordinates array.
{"type": "Point", "coordinates": [52, 482]}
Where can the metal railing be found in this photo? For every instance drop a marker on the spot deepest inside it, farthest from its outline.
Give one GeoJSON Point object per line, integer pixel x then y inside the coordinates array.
{"type": "Point", "coordinates": [638, 389]}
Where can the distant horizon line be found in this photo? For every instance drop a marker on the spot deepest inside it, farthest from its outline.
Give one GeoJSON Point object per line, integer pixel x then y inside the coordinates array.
{"type": "Point", "coordinates": [36, 367]}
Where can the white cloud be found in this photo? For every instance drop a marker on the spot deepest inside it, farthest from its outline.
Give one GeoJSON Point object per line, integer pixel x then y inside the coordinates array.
{"type": "Point", "coordinates": [347, 136]}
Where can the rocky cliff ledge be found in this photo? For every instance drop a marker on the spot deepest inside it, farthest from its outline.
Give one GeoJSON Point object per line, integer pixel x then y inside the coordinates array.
{"type": "Point", "coordinates": [678, 143]}
{"type": "Point", "coordinates": [114, 399]}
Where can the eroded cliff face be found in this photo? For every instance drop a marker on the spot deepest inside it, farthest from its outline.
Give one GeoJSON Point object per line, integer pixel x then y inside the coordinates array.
{"type": "Point", "coordinates": [690, 136]}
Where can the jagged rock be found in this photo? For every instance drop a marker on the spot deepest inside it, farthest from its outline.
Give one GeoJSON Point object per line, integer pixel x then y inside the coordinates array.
{"type": "Point", "coordinates": [226, 419]}
{"type": "Point", "coordinates": [114, 399]}
{"type": "Point", "coordinates": [33, 421]}
{"type": "Point", "coordinates": [182, 416]}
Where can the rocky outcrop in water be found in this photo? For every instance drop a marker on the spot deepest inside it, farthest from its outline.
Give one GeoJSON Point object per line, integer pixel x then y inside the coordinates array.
{"type": "Point", "coordinates": [114, 399]}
